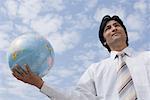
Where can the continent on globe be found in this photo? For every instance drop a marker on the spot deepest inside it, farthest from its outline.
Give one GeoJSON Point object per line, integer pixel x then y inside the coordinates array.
{"type": "Point", "coordinates": [34, 50]}
{"type": "Point", "coordinates": [14, 55]}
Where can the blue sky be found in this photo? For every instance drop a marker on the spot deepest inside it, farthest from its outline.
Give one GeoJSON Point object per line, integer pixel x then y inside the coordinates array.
{"type": "Point", "coordinates": [72, 27]}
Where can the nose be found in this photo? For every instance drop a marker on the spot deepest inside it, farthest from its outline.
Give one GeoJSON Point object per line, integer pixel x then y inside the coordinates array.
{"type": "Point", "coordinates": [114, 29]}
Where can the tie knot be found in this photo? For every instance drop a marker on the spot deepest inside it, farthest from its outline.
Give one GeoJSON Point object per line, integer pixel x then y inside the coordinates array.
{"type": "Point", "coordinates": [121, 54]}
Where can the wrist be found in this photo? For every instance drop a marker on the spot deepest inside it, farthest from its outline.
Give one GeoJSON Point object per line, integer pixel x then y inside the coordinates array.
{"type": "Point", "coordinates": [39, 84]}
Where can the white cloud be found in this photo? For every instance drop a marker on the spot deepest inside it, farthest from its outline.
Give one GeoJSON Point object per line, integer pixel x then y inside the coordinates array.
{"type": "Point", "coordinates": [134, 22]}
{"type": "Point", "coordinates": [82, 22]}
{"type": "Point", "coordinates": [46, 24]}
{"type": "Point", "coordinates": [65, 41]}
{"type": "Point", "coordinates": [11, 6]}
{"type": "Point", "coordinates": [23, 29]}
{"type": "Point", "coordinates": [29, 10]}
{"type": "Point", "coordinates": [6, 26]}
{"type": "Point", "coordinates": [68, 17]}
{"type": "Point", "coordinates": [149, 6]}
{"type": "Point", "coordinates": [133, 36]}
{"type": "Point", "coordinates": [5, 71]}
{"type": "Point", "coordinates": [79, 21]}
{"type": "Point", "coordinates": [3, 56]}
{"type": "Point", "coordinates": [101, 12]}
{"type": "Point", "coordinates": [140, 6]}
{"type": "Point", "coordinates": [91, 44]}
{"type": "Point", "coordinates": [54, 5]}
{"type": "Point", "coordinates": [86, 58]}
{"type": "Point", "coordinates": [145, 46]}
{"type": "Point", "coordinates": [91, 3]}
{"type": "Point", "coordinates": [2, 10]}
{"type": "Point", "coordinates": [9, 84]}
{"type": "Point", "coordinates": [65, 72]}
{"type": "Point", "coordinates": [4, 37]}
{"type": "Point", "coordinates": [59, 74]}
{"type": "Point", "coordinates": [122, 1]}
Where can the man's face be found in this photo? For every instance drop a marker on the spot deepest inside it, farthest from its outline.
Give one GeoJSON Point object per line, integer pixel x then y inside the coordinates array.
{"type": "Point", "coordinates": [114, 33]}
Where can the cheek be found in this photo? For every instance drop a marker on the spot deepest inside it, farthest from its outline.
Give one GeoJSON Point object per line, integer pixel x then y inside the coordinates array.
{"type": "Point", "coordinates": [123, 33]}
{"type": "Point", "coordinates": [107, 35]}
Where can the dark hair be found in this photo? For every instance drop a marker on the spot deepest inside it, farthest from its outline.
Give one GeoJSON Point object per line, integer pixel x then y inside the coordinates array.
{"type": "Point", "coordinates": [105, 20]}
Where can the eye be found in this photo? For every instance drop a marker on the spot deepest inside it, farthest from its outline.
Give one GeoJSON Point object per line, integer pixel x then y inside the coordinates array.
{"type": "Point", "coordinates": [116, 25]}
{"type": "Point", "coordinates": [107, 28]}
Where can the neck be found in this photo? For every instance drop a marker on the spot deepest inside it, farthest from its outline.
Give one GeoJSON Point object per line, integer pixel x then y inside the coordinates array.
{"type": "Point", "coordinates": [118, 47]}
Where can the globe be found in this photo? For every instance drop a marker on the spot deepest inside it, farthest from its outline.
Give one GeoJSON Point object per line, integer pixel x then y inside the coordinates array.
{"type": "Point", "coordinates": [34, 50]}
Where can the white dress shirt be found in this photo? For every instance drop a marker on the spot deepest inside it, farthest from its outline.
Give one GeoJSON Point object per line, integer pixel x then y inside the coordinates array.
{"type": "Point", "coordinates": [99, 80]}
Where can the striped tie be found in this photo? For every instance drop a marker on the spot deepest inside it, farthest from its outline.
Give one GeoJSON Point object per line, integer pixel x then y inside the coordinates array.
{"type": "Point", "coordinates": [125, 83]}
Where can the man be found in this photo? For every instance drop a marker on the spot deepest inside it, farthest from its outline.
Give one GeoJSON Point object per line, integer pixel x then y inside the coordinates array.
{"type": "Point", "coordinates": [125, 75]}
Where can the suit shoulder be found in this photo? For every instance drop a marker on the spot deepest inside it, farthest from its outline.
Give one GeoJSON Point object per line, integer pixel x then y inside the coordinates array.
{"type": "Point", "coordinates": [100, 64]}
{"type": "Point", "coordinates": [144, 53]}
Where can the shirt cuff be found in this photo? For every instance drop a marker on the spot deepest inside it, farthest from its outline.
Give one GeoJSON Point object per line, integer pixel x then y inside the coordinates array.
{"type": "Point", "coordinates": [52, 93]}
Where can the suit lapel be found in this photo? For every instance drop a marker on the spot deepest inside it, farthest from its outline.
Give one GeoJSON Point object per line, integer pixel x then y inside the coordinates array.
{"type": "Point", "coordinates": [140, 78]}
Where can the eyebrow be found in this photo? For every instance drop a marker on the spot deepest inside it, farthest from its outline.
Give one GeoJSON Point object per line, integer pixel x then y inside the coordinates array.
{"type": "Point", "coordinates": [113, 24]}
{"type": "Point", "coordinates": [116, 23]}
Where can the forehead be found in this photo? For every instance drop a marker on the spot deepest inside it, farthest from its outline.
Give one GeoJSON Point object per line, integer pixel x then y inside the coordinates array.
{"type": "Point", "coordinates": [111, 22]}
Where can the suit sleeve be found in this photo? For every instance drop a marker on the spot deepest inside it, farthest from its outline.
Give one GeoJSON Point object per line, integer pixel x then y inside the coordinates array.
{"type": "Point", "coordinates": [85, 89]}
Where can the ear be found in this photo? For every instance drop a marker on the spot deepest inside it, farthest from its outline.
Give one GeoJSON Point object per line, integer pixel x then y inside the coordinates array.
{"type": "Point", "coordinates": [104, 43]}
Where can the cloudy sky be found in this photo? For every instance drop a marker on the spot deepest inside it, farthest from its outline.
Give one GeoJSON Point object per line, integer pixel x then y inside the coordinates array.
{"type": "Point", "coordinates": [71, 26]}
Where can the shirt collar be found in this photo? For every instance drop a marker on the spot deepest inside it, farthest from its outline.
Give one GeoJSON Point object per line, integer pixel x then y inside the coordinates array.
{"type": "Point", "coordinates": [126, 50]}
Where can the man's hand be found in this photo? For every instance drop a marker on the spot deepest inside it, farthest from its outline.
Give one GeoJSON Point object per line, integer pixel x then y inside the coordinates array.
{"type": "Point", "coordinates": [27, 76]}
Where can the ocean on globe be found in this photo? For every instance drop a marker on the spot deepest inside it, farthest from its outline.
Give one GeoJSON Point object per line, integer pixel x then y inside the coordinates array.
{"type": "Point", "coordinates": [34, 50]}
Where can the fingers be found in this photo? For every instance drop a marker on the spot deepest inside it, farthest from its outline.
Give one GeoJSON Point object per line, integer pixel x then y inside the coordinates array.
{"type": "Point", "coordinates": [27, 76]}
{"type": "Point", "coordinates": [23, 75]}
{"type": "Point", "coordinates": [28, 70]}
{"type": "Point", "coordinates": [16, 74]}
{"type": "Point", "coordinates": [20, 70]}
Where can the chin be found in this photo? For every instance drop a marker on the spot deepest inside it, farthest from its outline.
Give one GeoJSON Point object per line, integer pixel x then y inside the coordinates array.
{"type": "Point", "coordinates": [118, 40]}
